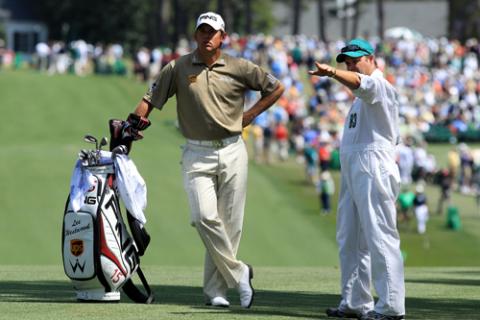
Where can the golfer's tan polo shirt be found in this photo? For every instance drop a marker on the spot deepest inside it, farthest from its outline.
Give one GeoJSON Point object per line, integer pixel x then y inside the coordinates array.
{"type": "Point", "coordinates": [210, 101]}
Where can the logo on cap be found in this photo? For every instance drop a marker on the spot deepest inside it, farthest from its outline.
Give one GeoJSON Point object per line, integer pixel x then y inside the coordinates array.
{"type": "Point", "coordinates": [207, 16]}
{"type": "Point", "coordinates": [212, 19]}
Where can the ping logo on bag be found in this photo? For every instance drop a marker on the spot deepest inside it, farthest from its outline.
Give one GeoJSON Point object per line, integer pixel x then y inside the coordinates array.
{"type": "Point", "coordinates": [76, 247]}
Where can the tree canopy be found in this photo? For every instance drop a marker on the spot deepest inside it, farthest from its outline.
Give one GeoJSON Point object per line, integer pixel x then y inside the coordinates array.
{"type": "Point", "coordinates": [148, 22]}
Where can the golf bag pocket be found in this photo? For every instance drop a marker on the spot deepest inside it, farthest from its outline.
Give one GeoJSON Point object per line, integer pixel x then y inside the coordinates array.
{"type": "Point", "coordinates": [78, 245]}
{"type": "Point", "coordinates": [96, 243]}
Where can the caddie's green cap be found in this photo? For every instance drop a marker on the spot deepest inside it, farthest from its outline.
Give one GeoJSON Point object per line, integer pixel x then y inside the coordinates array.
{"type": "Point", "coordinates": [354, 49]}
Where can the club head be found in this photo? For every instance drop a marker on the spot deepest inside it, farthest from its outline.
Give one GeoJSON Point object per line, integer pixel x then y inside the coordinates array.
{"type": "Point", "coordinates": [103, 142]}
{"type": "Point", "coordinates": [91, 139]}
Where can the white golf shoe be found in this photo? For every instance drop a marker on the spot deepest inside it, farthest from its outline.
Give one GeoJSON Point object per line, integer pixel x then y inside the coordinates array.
{"type": "Point", "coordinates": [219, 302]}
{"type": "Point", "coordinates": [245, 288]}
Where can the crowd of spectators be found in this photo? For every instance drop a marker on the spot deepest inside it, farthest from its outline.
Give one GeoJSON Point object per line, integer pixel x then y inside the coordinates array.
{"type": "Point", "coordinates": [438, 81]}
{"type": "Point", "coordinates": [81, 58]}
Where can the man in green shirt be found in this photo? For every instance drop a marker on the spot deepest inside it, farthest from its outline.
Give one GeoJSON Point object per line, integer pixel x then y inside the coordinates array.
{"type": "Point", "coordinates": [210, 88]}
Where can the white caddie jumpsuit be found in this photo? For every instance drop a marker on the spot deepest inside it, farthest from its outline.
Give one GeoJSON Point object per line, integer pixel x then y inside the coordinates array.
{"type": "Point", "coordinates": [369, 243]}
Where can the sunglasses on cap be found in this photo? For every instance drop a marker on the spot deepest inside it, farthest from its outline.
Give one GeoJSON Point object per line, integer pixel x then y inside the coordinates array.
{"type": "Point", "coordinates": [354, 47]}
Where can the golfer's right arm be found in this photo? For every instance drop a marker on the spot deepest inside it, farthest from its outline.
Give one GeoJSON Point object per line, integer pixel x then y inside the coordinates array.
{"type": "Point", "coordinates": [161, 90]}
{"type": "Point", "coordinates": [143, 108]}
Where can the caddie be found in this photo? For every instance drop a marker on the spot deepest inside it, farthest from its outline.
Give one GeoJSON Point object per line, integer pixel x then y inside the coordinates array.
{"type": "Point", "coordinates": [210, 88]}
{"type": "Point", "coordinates": [367, 235]}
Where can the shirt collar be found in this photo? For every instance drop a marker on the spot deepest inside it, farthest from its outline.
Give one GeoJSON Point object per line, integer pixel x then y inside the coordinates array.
{"type": "Point", "coordinates": [377, 73]}
{"type": "Point", "coordinates": [221, 61]}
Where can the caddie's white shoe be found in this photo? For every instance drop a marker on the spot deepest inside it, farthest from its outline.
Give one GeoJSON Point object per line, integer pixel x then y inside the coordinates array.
{"type": "Point", "coordinates": [245, 288]}
{"type": "Point", "coordinates": [219, 302]}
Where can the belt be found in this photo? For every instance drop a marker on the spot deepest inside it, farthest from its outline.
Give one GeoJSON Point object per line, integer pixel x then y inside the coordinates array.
{"type": "Point", "coordinates": [359, 147]}
{"type": "Point", "coordinates": [217, 144]}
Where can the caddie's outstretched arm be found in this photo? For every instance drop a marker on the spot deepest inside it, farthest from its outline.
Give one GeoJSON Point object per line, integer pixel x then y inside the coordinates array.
{"type": "Point", "coordinates": [348, 78]}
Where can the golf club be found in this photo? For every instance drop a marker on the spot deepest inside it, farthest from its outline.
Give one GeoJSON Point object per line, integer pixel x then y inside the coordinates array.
{"type": "Point", "coordinates": [91, 139]}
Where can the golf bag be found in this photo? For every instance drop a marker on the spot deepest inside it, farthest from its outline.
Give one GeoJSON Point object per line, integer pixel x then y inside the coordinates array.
{"type": "Point", "coordinates": [100, 255]}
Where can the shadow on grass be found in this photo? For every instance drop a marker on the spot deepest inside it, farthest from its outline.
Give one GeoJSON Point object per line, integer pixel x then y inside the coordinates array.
{"type": "Point", "coordinates": [295, 304]}
{"type": "Point", "coordinates": [454, 282]}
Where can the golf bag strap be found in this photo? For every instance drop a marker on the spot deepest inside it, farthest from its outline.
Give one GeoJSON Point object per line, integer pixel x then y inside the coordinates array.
{"type": "Point", "coordinates": [135, 294]}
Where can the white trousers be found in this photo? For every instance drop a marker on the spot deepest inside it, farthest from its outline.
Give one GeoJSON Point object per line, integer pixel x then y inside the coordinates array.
{"type": "Point", "coordinates": [421, 213]}
{"type": "Point", "coordinates": [215, 180]}
{"type": "Point", "coordinates": [369, 243]}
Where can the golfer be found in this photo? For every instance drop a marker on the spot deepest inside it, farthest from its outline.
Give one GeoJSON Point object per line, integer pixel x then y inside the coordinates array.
{"type": "Point", "coordinates": [367, 235]}
{"type": "Point", "coordinates": [210, 88]}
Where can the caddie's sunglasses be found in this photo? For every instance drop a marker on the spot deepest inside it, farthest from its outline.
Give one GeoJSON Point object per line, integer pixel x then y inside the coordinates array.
{"type": "Point", "coordinates": [353, 47]}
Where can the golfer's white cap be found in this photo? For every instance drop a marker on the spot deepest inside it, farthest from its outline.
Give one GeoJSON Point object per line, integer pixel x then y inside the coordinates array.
{"type": "Point", "coordinates": [212, 19]}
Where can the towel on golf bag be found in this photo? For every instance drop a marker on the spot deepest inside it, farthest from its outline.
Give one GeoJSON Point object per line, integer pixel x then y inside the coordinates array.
{"type": "Point", "coordinates": [129, 183]}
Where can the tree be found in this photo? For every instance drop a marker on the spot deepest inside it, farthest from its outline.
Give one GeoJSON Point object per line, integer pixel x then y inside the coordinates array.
{"type": "Point", "coordinates": [356, 17]}
{"type": "Point", "coordinates": [147, 22]}
{"type": "Point", "coordinates": [107, 21]}
{"type": "Point", "coordinates": [321, 20]}
{"type": "Point", "coordinates": [157, 33]}
{"type": "Point", "coordinates": [463, 19]}
{"type": "Point", "coordinates": [297, 13]}
{"type": "Point", "coordinates": [248, 16]}
{"type": "Point", "coordinates": [381, 19]}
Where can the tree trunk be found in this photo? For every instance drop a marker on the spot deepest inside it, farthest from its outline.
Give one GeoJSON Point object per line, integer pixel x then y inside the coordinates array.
{"type": "Point", "coordinates": [160, 25]}
{"type": "Point", "coordinates": [451, 25]}
{"type": "Point", "coordinates": [297, 7]}
{"type": "Point", "coordinates": [248, 16]}
{"type": "Point", "coordinates": [220, 7]}
{"type": "Point", "coordinates": [356, 17]}
{"type": "Point", "coordinates": [176, 22]}
{"type": "Point", "coordinates": [321, 21]}
{"type": "Point", "coordinates": [344, 21]}
{"type": "Point", "coordinates": [381, 19]}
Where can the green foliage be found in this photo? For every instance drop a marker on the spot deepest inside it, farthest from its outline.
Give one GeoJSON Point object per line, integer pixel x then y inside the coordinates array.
{"type": "Point", "coordinates": [107, 21]}
{"type": "Point", "coordinates": [263, 21]}
{"type": "Point", "coordinates": [463, 19]}
{"type": "Point", "coordinates": [2, 31]}
{"type": "Point", "coordinates": [150, 22]}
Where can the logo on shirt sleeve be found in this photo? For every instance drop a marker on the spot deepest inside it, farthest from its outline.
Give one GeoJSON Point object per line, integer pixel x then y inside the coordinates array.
{"type": "Point", "coordinates": [150, 90]}
{"type": "Point", "coordinates": [271, 78]}
{"type": "Point", "coordinates": [192, 78]}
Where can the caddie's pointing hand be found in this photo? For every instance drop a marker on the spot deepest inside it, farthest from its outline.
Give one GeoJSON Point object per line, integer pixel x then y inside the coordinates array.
{"type": "Point", "coordinates": [323, 70]}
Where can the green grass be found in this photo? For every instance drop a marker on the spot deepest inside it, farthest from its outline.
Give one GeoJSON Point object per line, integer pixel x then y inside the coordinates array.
{"type": "Point", "coordinates": [282, 293]}
{"type": "Point", "coordinates": [48, 117]}
{"type": "Point", "coordinates": [285, 237]}
{"type": "Point", "coordinates": [45, 119]}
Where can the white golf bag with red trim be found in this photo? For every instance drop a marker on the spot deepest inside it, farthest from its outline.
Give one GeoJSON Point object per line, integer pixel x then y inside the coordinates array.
{"type": "Point", "coordinates": [99, 254]}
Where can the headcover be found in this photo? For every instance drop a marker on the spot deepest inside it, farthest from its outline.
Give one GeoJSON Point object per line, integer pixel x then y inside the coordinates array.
{"type": "Point", "coordinates": [116, 138]}
{"type": "Point", "coordinates": [124, 132]}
